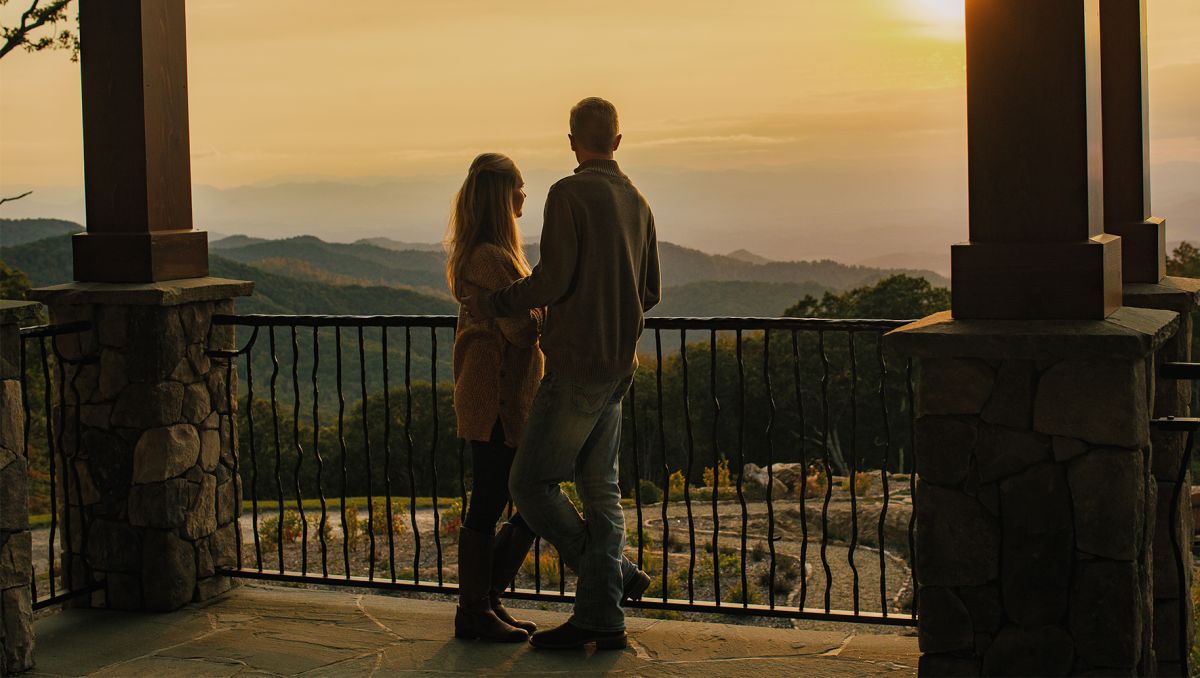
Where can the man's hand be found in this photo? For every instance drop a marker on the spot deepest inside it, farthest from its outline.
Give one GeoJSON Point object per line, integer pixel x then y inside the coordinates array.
{"type": "Point", "coordinates": [471, 305]}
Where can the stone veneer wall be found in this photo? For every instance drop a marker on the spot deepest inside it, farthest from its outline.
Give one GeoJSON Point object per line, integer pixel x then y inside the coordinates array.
{"type": "Point", "coordinates": [1033, 491]}
{"type": "Point", "coordinates": [1035, 500]}
{"type": "Point", "coordinates": [152, 477]}
{"type": "Point", "coordinates": [16, 565]}
{"type": "Point", "coordinates": [1171, 397]}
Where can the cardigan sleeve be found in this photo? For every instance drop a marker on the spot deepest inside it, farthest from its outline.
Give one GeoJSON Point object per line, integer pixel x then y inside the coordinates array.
{"type": "Point", "coordinates": [489, 270]}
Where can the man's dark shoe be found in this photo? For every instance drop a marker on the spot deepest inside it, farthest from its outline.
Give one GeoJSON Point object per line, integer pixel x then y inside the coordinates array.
{"type": "Point", "coordinates": [636, 586]}
{"type": "Point", "coordinates": [569, 636]}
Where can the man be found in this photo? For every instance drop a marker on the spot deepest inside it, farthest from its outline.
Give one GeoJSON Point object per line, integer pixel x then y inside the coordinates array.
{"type": "Point", "coordinates": [598, 274]}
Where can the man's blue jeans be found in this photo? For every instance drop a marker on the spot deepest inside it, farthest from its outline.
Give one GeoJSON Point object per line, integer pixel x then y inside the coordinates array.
{"type": "Point", "coordinates": [574, 433]}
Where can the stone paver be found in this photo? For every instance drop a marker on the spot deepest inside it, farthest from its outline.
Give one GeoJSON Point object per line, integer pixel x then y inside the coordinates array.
{"type": "Point", "coordinates": [267, 630]}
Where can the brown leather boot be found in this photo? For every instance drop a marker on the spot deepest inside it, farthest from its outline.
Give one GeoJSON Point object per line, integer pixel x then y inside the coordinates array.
{"type": "Point", "coordinates": [512, 543]}
{"type": "Point", "coordinates": [474, 617]}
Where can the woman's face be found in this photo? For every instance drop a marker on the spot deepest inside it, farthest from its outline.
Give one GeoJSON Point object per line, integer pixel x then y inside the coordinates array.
{"type": "Point", "coordinates": [518, 197]}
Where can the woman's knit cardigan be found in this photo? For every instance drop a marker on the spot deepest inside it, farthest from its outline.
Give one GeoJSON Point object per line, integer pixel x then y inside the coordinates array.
{"type": "Point", "coordinates": [497, 362]}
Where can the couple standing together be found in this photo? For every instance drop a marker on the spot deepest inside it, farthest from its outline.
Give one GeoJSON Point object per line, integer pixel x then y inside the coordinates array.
{"type": "Point", "coordinates": [532, 428]}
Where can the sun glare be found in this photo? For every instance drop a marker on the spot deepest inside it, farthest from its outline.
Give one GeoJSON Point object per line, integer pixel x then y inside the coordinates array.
{"type": "Point", "coordinates": [944, 17]}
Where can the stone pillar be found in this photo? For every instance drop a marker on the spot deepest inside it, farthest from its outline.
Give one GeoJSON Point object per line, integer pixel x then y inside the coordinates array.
{"type": "Point", "coordinates": [1035, 499]}
{"type": "Point", "coordinates": [1037, 244]}
{"type": "Point", "coordinates": [1127, 142]}
{"type": "Point", "coordinates": [157, 442]}
{"type": "Point", "coordinates": [1171, 398]}
{"type": "Point", "coordinates": [16, 564]}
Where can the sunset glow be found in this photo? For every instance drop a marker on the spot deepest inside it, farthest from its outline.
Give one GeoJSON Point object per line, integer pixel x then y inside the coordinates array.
{"type": "Point", "coordinates": [779, 113]}
{"type": "Point", "coordinates": [943, 17]}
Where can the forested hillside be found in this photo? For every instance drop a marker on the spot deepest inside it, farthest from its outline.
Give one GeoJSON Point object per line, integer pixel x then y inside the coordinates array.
{"type": "Point", "coordinates": [18, 231]}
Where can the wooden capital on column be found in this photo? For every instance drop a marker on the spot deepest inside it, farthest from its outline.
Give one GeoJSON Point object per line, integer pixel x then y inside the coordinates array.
{"type": "Point", "coordinates": [1038, 247]}
{"type": "Point", "coordinates": [1126, 142]}
{"type": "Point", "coordinates": [137, 170]}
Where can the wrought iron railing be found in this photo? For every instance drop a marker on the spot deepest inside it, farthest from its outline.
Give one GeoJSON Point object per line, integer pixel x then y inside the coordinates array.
{"type": "Point", "coordinates": [51, 449]}
{"type": "Point", "coordinates": [779, 446]}
{"type": "Point", "coordinates": [1179, 550]}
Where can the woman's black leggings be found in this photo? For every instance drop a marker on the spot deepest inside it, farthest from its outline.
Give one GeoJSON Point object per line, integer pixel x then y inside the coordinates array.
{"type": "Point", "coordinates": [492, 462]}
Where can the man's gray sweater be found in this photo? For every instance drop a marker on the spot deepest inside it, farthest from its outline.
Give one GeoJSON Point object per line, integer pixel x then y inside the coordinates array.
{"type": "Point", "coordinates": [598, 274]}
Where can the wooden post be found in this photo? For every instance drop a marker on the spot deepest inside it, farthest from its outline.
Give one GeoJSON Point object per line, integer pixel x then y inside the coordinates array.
{"type": "Point", "coordinates": [1037, 247]}
{"type": "Point", "coordinates": [1126, 142]}
{"type": "Point", "coordinates": [137, 170]}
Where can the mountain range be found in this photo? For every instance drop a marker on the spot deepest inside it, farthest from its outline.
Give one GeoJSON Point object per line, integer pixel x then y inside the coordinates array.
{"type": "Point", "coordinates": [305, 274]}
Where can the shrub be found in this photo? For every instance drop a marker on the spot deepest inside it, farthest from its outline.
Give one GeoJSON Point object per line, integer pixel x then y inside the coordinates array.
{"type": "Point", "coordinates": [788, 568]}
{"type": "Point", "coordinates": [862, 483]}
{"type": "Point", "coordinates": [729, 545]}
{"type": "Point", "coordinates": [380, 521]}
{"type": "Point", "coordinates": [572, 493]}
{"type": "Point", "coordinates": [676, 541]}
{"type": "Point", "coordinates": [351, 527]}
{"type": "Point", "coordinates": [759, 552]}
{"type": "Point", "coordinates": [650, 493]}
{"type": "Point", "coordinates": [784, 578]}
{"type": "Point", "coordinates": [269, 530]}
{"type": "Point", "coordinates": [451, 521]}
{"type": "Point", "coordinates": [675, 483]}
{"type": "Point", "coordinates": [674, 589]}
{"type": "Point", "coordinates": [814, 482]}
{"type": "Point", "coordinates": [546, 562]}
{"type": "Point", "coordinates": [734, 595]}
{"type": "Point", "coordinates": [719, 479]}
{"type": "Point", "coordinates": [631, 536]}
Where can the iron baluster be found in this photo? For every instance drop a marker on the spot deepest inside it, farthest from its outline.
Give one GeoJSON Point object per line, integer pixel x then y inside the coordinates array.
{"type": "Point", "coordinates": [433, 409]}
{"type": "Point", "coordinates": [666, 471]}
{"type": "Point", "coordinates": [717, 466]}
{"type": "Point", "coordinates": [826, 467]}
{"type": "Point", "coordinates": [770, 466]}
{"type": "Point", "coordinates": [691, 454]}
{"type": "Point", "coordinates": [887, 455]}
{"type": "Point", "coordinates": [299, 450]}
{"type": "Point", "coordinates": [366, 431]}
{"type": "Point", "coordinates": [341, 433]}
{"type": "Point", "coordinates": [741, 460]}
{"type": "Point", "coordinates": [853, 468]}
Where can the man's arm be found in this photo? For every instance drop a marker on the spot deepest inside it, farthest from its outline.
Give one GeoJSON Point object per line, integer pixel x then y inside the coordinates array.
{"type": "Point", "coordinates": [552, 277]}
{"type": "Point", "coordinates": [653, 293]}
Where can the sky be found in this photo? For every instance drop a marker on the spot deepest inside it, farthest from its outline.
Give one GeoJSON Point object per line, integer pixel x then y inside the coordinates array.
{"type": "Point", "coordinates": [794, 128]}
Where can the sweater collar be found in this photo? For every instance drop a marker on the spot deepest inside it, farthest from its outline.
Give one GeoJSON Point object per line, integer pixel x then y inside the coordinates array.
{"type": "Point", "coordinates": [600, 166]}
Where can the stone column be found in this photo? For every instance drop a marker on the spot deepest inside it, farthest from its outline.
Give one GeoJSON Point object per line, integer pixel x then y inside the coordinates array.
{"type": "Point", "coordinates": [157, 444]}
{"type": "Point", "coordinates": [16, 564]}
{"type": "Point", "coordinates": [1171, 398]}
{"type": "Point", "coordinates": [1037, 244]}
{"type": "Point", "coordinates": [1127, 142]}
{"type": "Point", "coordinates": [1035, 500]}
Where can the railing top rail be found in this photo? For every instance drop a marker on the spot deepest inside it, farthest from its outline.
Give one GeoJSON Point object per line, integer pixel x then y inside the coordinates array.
{"type": "Point", "coordinates": [55, 330]}
{"type": "Point", "coordinates": [660, 323]}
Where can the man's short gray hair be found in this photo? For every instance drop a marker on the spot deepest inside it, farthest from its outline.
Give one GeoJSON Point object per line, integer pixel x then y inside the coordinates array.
{"type": "Point", "coordinates": [594, 124]}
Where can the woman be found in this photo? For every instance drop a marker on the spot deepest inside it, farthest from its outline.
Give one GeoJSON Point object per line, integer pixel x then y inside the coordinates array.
{"type": "Point", "coordinates": [497, 368]}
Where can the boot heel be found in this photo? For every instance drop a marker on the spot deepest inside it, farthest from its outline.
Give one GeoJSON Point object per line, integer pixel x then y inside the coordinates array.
{"type": "Point", "coordinates": [614, 643]}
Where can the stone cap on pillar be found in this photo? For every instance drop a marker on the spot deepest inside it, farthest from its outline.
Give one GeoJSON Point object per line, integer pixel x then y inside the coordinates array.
{"type": "Point", "coordinates": [12, 312]}
{"type": "Point", "coordinates": [163, 293]}
{"type": "Point", "coordinates": [1181, 295]}
{"type": "Point", "coordinates": [1129, 333]}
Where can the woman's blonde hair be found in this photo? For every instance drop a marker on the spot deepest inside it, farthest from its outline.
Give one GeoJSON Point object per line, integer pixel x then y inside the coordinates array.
{"type": "Point", "coordinates": [483, 214]}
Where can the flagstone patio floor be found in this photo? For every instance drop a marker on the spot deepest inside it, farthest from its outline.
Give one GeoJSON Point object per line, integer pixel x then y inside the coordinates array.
{"type": "Point", "coordinates": [261, 630]}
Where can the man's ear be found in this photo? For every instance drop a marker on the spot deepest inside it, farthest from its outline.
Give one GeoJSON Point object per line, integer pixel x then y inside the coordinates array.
{"type": "Point", "coordinates": [571, 138]}
{"type": "Point", "coordinates": [616, 142]}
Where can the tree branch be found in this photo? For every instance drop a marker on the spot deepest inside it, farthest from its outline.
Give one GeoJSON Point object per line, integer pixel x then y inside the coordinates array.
{"type": "Point", "coordinates": [32, 19]}
{"type": "Point", "coordinates": [15, 197]}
